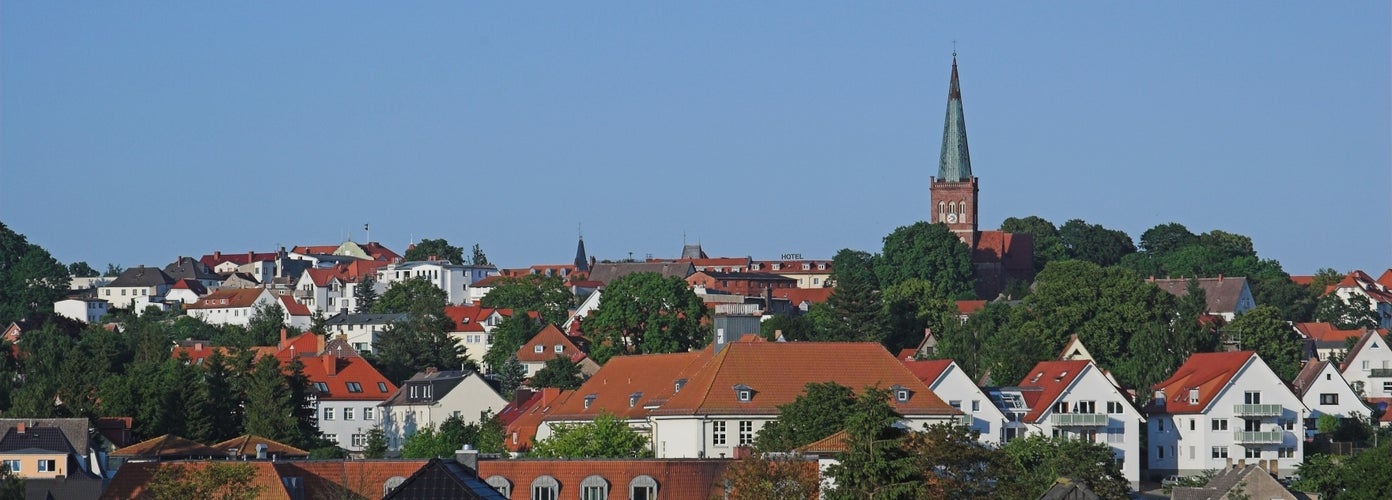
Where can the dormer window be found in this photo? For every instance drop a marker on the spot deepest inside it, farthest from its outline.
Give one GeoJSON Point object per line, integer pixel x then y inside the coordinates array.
{"type": "Point", "coordinates": [806, 266]}
{"type": "Point", "coordinates": [589, 400]}
{"type": "Point", "coordinates": [538, 348]}
{"type": "Point", "coordinates": [633, 399]}
{"type": "Point", "coordinates": [681, 382]}
{"type": "Point", "coordinates": [1036, 377]}
{"type": "Point", "coordinates": [1193, 396]}
{"type": "Point", "coordinates": [559, 348]}
{"type": "Point", "coordinates": [821, 266]}
{"type": "Point", "coordinates": [744, 393]}
{"type": "Point", "coordinates": [901, 393]}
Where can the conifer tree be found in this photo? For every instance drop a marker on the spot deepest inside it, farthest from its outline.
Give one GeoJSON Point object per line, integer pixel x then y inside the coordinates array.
{"type": "Point", "coordinates": [269, 406]}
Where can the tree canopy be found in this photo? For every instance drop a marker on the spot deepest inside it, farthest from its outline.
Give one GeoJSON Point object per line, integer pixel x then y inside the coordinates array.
{"type": "Point", "coordinates": [604, 437]}
{"type": "Point", "coordinates": [928, 252]}
{"type": "Point", "coordinates": [1264, 331]}
{"type": "Point", "coordinates": [547, 295]}
{"type": "Point", "coordinates": [439, 249]}
{"type": "Point", "coordinates": [31, 278]}
{"type": "Point", "coordinates": [559, 372]}
{"type": "Point", "coordinates": [1048, 246]}
{"type": "Point", "coordinates": [646, 313]}
{"type": "Point", "coordinates": [818, 412]}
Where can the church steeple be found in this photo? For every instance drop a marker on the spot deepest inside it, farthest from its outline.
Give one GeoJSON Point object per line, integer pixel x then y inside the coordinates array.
{"type": "Point", "coordinates": [954, 165]}
{"type": "Point", "coordinates": [953, 193]}
{"type": "Point", "coordinates": [582, 261]}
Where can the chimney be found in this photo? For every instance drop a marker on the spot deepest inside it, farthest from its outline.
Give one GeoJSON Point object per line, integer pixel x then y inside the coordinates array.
{"type": "Point", "coordinates": [261, 451]}
{"type": "Point", "coordinates": [1220, 277]}
{"type": "Point", "coordinates": [197, 346]}
{"type": "Point", "coordinates": [217, 255]}
{"type": "Point", "coordinates": [282, 338]}
{"type": "Point", "coordinates": [330, 365]}
{"type": "Point", "coordinates": [1274, 467]}
{"type": "Point", "coordinates": [1242, 463]}
{"type": "Point", "coordinates": [468, 457]}
{"type": "Point", "coordinates": [1229, 460]}
{"type": "Point", "coordinates": [20, 428]}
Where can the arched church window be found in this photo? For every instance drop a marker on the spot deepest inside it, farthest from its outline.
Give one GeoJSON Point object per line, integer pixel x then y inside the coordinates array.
{"type": "Point", "coordinates": [942, 211]}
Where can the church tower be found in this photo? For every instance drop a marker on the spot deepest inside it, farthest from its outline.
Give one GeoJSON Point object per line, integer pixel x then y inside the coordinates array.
{"type": "Point", "coordinates": [953, 191]}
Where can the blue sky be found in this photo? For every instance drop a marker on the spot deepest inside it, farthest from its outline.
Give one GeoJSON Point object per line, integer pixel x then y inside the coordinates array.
{"type": "Point", "coordinates": [135, 132]}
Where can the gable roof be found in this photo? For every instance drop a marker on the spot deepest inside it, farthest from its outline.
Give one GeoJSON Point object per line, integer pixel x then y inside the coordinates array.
{"type": "Point", "coordinates": [799, 295]}
{"type": "Point", "coordinates": [1209, 372]}
{"type": "Point", "coordinates": [965, 307]}
{"type": "Point", "coordinates": [929, 370]}
{"type": "Point", "coordinates": [1325, 333]}
{"type": "Point", "coordinates": [837, 442]}
{"type": "Point", "coordinates": [194, 286]}
{"type": "Point", "coordinates": [351, 272]}
{"type": "Point", "coordinates": [547, 339]}
{"type": "Point", "coordinates": [362, 479]}
{"type": "Point", "coordinates": [1051, 379]}
{"type": "Point", "coordinates": [372, 250]}
{"type": "Point", "coordinates": [1368, 336]}
{"type": "Point", "coordinates": [652, 377]}
{"type": "Point", "coordinates": [522, 418]}
{"type": "Point", "coordinates": [244, 446]}
{"type": "Point", "coordinates": [229, 298]}
{"type": "Point", "coordinates": [141, 276]}
{"type": "Point", "coordinates": [444, 479]}
{"type": "Point", "coordinates": [293, 307]}
{"type": "Point", "coordinates": [166, 447]}
{"type": "Point", "coordinates": [35, 440]}
{"type": "Point", "coordinates": [441, 382]}
{"type": "Point", "coordinates": [73, 429]}
{"type": "Point", "coordinates": [1221, 293]}
{"type": "Point", "coordinates": [1074, 349]}
{"type": "Point", "coordinates": [336, 368]}
{"type": "Point", "coordinates": [189, 268]}
{"type": "Point", "coordinates": [1307, 376]}
{"type": "Point", "coordinates": [216, 258]}
{"type": "Point", "coordinates": [133, 478]}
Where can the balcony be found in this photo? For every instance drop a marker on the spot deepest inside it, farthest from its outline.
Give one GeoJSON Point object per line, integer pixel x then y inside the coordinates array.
{"type": "Point", "coordinates": [301, 293]}
{"type": "Point", "coordinates": [1079, 419]}
{"type": "Point", "coordinates": [1257, 410]}
{"type": "Point", "coordinates": [1380, 372]}
{"type": "Point", "coordinates": [966, 420]}
{"type": "Point", "coordinates": [1258, 437]}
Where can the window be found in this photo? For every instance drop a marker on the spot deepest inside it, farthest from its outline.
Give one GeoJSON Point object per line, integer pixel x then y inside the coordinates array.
{"type": "Point", "coordinates": [501, 484]}
{"type": "Point", "coordinates": [718, 433]}
{"type": "Point", "coordinates": [1193, 396]}
{"type": "Point", "coordinates": [746, 432]}
{"type": "Point", "coordinates": [1159, 452]}
{"type": "Point", "coordinates": [745, 395]}
{"type": "Point", "coordinates": [976, 405]}
{"type": "Point", "coordinates": [13, 465]}
{"type": "Point", "coordinates": [347, 413]}
{"type": "Point", "coordinates": [1387, 387]}
{"type": "Point", "coordinates": [1288, 424]}
{"type": "Point", "coordinates": [538, 348]}
{"type": "Point", "coordinates": [1160, 425]}
{"type": "Point", "coordinates": [359, 440]}
{"type": "Point", "coordinates": [1252, 452]}
{"type": "Point", "coordinates": [642, 488]}
{"type": "Point", "coordinates": [354, 387]}
{"type": "Point", "coordinates": [1061, 407]}
{"type": "Point", "coordinates": [48, 466]}
{"type": "Point", "coordinates": [558, 348]}
{"type": "Point", "coordinates": [382, 386]}
{"type": "Point", "coordinates": [594, 488]}
{"type": "Point", "coordinates": [1086, 407]}
{"type": "Point", "coordinates": [1219, 424]}
{"type": "Point", "coordinates": [1116, 434]}
{"type": "Point", "coordinates": [328, 413]}
{"type": "Point", "coordinates": [544, 488]}
{"type": "Point", "coordinates": [1220, 452]}
{"type": "Point", "coordinates": [1252, 397]}
{"type": "Point", "coordinates": [1113, 407]}
{"type": "Point", "coordinates": [321, 387]}
{"type": "Point", "coordinates": [955, 404]}
{"type": "Point", "coordinates": [1285, 453]}
{"type": "Point", "coordinates": [367, 413]}
{"type": "Point", "coordinates": [1191, 423]}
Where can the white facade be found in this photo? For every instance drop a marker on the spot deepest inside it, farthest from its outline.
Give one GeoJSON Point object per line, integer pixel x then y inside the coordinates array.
{"type": "Point", "coordinates": [85, 310]}
{"type": "Point", "coordinates": [1255, 417]}
{"type": "Point", "coordinates": [181, 295]}
{"type": "Point", "coordinates": [361, 330]}
{"type": "Point", "coordinates": [981, 415]}
{"type": "Point", "coordinates": [240, 316]}
{"type": "Point", "coordinates": [134, 298]}
{"type": "Point", "coordinates": [84, 283]}
{"type": "Point", "coordinates": [1369, 368]}
{"type": "Point", "coordinates": [452, 278]}
{"type": "Point", "coordinates": [584, 309]}
{"type": "Point", "coordinates": [1330, 394]}
{"type": "Point", "coordinates": [403, 415]}
{"type": "Point", "coordinates": [346, 422]}
{"type": "Point", "coordinates": [717, 436]}
{"type": "Point", "coordinates": [333, 297]}
{"type": "Point", "coordinates": [1382, 308]}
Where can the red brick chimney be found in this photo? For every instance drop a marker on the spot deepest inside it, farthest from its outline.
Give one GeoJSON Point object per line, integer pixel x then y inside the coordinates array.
{"type": "Point", "coordinates": [330, 364]}
{"type": "Point", "coordinates": [282, 339]}
{"type": "Point", "coordinates": [19, 428]}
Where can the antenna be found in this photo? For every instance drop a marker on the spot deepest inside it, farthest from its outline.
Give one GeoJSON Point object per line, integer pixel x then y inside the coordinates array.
{"type": "Point", "coordinates": [579, 229]}
{"type": "Point", "coordinates": [367, 229]}
{"type": "Point", "coordinates": [954, 49]}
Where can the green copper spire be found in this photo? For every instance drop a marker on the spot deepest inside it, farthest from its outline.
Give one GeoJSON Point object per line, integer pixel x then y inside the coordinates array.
{"type": "Point", "coordinates": [955, 163]}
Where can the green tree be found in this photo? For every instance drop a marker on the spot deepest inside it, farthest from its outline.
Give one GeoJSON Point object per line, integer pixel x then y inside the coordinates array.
{"type": "Point", "coordinates": [365, 294]}
{"type": "Point", "coordinates": [509, 336]}
{"type": "Point", "coordinates": [82, 269]}
{"type": "Point", "coordinates": [910, 306]}
{"type": "Point", "coordinates": [1048, 246]}
{"type": "Point", "coordinates": [11, 484]}
{"type": "Point", "coordinates": [479, 259]}
{"type": "Point", "coordinates": [929, 252]}
{"type": "Point", "coordinates": [270, 406]}
{"type": "Point", "coordinates": [956, 465]}
{"type": "Point", "coordinates": [376, 445]}
{"type": "Point", "coordinates": [547, 295]}
{"type": "Point", "coordinates": [410, 295]}
{"type": "Point", "coordinates": [1262, 330]}
{"type": "Point", "coordinates": [966, 342]}
{"type": "Point", "coordinates": [407, 347]}
{"type": "Point", "coordinates": [215, 481]}
{"type": "Point", "coordinates": [1347, 314]}
{"type": "Point", "coordinates": [854, 310]}
{"type": "Point", "coordinates": [1166, 238]}
{"type": "Point", "coordinates": [1040, 462]}
{"type": "Point", "coordinates": [439, 249]}
{"type": "Point", "coordinates": [113, 270]}
{"type": "Point", "coordinates": [265, 324]}
{"type": "Point", "coordinates": [818, 412]}
{"type": "Point", "coordinates": [646, 313]}
{"type": "Point", "coordinates": [1094, 243]}
{"type": "Point", "coordinates": [875, 464]}
{"type": "Point", "coordinates": [510, 377]}
{"type": "Point", "coordinates": [795, 327]}
{"type": "Point", "coordinates": [604, 437]}
{"type": "Point", "coordinates": [559, 372]}
{"type": "Point", "coordinates": [31, 278]}
{"type": "Point", "coordinates": [224, 411]}
{"type": "Point", "coordinates": [769, 475]}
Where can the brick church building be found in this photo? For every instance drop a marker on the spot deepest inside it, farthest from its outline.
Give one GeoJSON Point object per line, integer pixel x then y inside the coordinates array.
{"type": "Point", "coordinates": [998, 257]}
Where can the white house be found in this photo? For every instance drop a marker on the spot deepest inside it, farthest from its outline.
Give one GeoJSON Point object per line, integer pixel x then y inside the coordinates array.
{"type": "Point", "coordinates": [473, 328]}
{"type": "Point", "coordinates": [1225, 406]}
{"type": "Point", "coordinates": [1368, 366]}
{"type": "Point", "coordinates": [361, 330]}
{"type": "Point", "coordinates": [709, 403]}
{"type": "Point", "coordinates": [1376, 292]}
{"type": "Point", "coordinates": [586, 307]}
{"type": "Point", "coordinates": [188, 268]}
{"type": "Point", "coordinates": [428, 398]}
{"type": "Point", "coordinates": [551, 343]}
{"type": "Point", "coordinates": [454, 279]}
{"type": "Point", "coordinates": [128, 289]}
{"type": "Point", "coordinates": [231, 307]}
{"type": "Point", "coordinates": [1074, 399]}
{"type": "Point", "coordinates": [185, 291]}
{"type": "Point", "coordinates": [1327, 341]}
{"type": "Point", "coordinates": [1325, 392]}
{"type": "Point", "coordinates": [332, 290]}
{"type": "Point", "coordinates": [82, 309]}
{"type": "Point", "coordinates": [950, 383]}
{"type": "Point", "coordinates": [347, 391]}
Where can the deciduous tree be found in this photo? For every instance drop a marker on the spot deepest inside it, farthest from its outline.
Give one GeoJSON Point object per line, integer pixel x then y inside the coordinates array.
{"type": "Point", "coordinates": [818, 412]}
{"type": "Point", "coordinates": [213, 480]}
{"type": "Point", "coordinates": [1347, 314]}
{"type": "Point", "coordinates": [439, 249]}
{"type": "Point", "coordinates": [547, 295]}
{"type": "Point", "coordinates": [1048, 246]}
{"type": "Point", "coordinates": [1094, 243]}
{"type": "Point", "coordinates": [604, 437]}
{"type": "Point", "coordinates": [875, 464]}
{"type": "Point", "coordinates": [559, 372]}
{"type": "Point", "coordinates": [646, 313]}
{"type": "Point", "coordinates": [1264, 331]}
{"type": "Point", "coordinates": [929, 252]}
{"type": "Point", "coordinates": [1041, 461]}
{"type": "Point", "coordinates": [765, 476]}
{"type": "Point", "coordinates": [31, 278]}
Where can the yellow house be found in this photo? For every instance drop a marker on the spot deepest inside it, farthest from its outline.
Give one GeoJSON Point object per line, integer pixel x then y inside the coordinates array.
{"type": "Point", "coordinates": [35, 453]}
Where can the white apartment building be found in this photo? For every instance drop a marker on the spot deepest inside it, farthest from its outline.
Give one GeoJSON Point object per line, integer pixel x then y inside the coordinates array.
{"type": "Point", "coordinates": [1325, 392]}
{"type": "Point", "coordinates": [951, 384]}
{"type": "Point", "coordinates": [1368, 366]}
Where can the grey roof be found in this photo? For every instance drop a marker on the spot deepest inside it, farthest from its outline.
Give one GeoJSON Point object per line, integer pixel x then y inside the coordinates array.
{"type": "Point", "coordinates": [141, 276]}
{"type": "Point", "coordinates": [192, 269]}
{"type": "Point", "coordinates": [1222, 293]}
{"type": "Point", "coordinates": [607, 272]}
{"type": "Point", "coordinates": [1307, 376]}
{"type": "Point", "coordinates": [693, 252]}
{"type": "Point", "coordinates": [1228, 478]}
{"type": "Point", "coordinates": [954, 165]}
{"type": "Point", "coordinates": [35, 439]}
{"type": "Point", "coordinates": [74, 429]}
{"type": "Point", "coordinates": [365, 319]}
{"type": "Point", "coordinates": [1067, 489]}
{"type": "Point", "coordinates": [441, 383]}
{"type": "Point", "coordinates": [444, 479]}
{"type": "Point", "coordinates": [582, 261]}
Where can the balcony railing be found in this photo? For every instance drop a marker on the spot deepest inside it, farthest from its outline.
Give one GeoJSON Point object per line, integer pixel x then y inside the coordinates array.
{"type": "Point", "coordinates": [1257, 410]}
{"type": "Point", "coordinates": [964, 420]}
{"type": "Point", "coordinates": [301, 293]}
{"type": "Point", "coordinates": [1380, 372]}
{"type": "Point", "coordinates": [1257, 437]}
{"type": "Point", "coordinates": [1079, 419]}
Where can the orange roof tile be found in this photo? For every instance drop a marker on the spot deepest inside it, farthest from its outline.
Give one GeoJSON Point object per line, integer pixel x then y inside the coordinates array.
{"type": "Point", "coordinates": [651, 376]}
{"type": "Point", "coordinates": [1051, 378]}
{"type": "Point", "coordinates": [835, 443]}
{"type": "Point", "coordinates": [363, 478]}
{"type": "Point", "coordinates": [1325, 332]}
{"type": "Point", "coordinates": [1209, 372]}
{"type": "Point", "coordinates": [246, 444]}
{"type": "Point", "coordinates": [1303, 280]}
{"type": "Point", "coordinates": [337, 373]}
{"type": "Point", "coordinates": [293, 307]}
{"type": "Point", "coordinates": [228, 298]}
{"type": "Point", "coordinates": [167, 446]}
{"type": "Point", "coordinates": [970, 306]}
{"type": "Point", "coordinates": [132, 479]}
{"type": "Point", "coordinates": [523, 418]}
{"type": "Point", "coordinates": [547, 339]}
{"type": "Point", "coordinates": [800, 295]}
{"type": "Point", "coordinates": [677, 479]}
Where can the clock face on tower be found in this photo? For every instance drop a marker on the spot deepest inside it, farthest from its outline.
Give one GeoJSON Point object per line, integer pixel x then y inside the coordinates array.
{"type": "Point", "coordinates": [951, 218]}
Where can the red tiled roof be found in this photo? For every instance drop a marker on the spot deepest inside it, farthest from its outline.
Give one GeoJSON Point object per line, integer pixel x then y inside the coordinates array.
{"type": "Point", "coordinates": [373, 249]}
{"type": "Point", "coordinates": [1325, 332]}
{"type": "Point", "coordinates": [1209, 372]}
{"type": "Point", "coordinates": [547, 339]}
{"type": "Point", "coordinates": [363, 478]}
{"type": "Point", "coordinates": [245, 446]}
{"type": "Point", "coordinates": [292, 307]}
{"type": "Point", "coordinates": [835, 443]}
{"type": "Point", "coordinates": [523, 418]}
{"type": "Point", "coordinates": [337, 372]}
{"type": "Point", "coordinates": [1010, 249]}
{"type": "Point", "coordinates": [190, 285]}
{"type": "Point", "coordinates": [1303, 280]}
{"type": "Point", "coordinates": [970, 306]}
{"type": "Point", "coordinates": [132, 479]}
{"type": "Point", "coordinates": [652, 375]}
{"type": "Point", "coordinates": [928, 371]}
{"type": "Point", "coordinates": [726, 262]}
{"type": "Point", "coordinates": [351, 272]}
{"type": "Point", "coordinates": [711, 390]}
{"type": "Point", "coordinates": [800, 295]}
{"type": "Point", "coordinates": [228, 298]}
{"type": "Point", "coordinates": [1385, 279]}
{"type": "Point", "coordinates": [907, 354]}
{"type": "Point", "coordinates": [213, 259]}
{"type": "Point", "coordinates": [198, 350]}
{"type": "Point", "coordinates": [677, 479]}
{"type": "Point", "coordinates": [1051, 378]}
{"type": "Point", "coordinates": [471, 318]}
{"type": "Point", "coordinates": [490, 281]}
